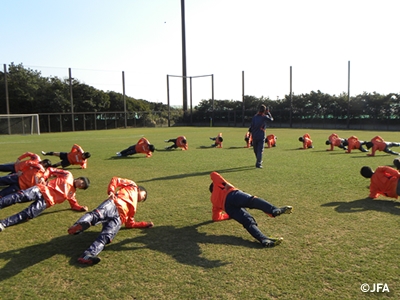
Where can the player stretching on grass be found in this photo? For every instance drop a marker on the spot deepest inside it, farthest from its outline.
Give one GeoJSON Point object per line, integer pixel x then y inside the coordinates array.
{"type": "Point", "coordinates": [179, 142]}
{"type": "Point", "coordinates": [335, 141]}
{"type": "Point", "coordinates": [60, 187]}
{"type": "Point", "coordinates": [384, 181]}
{"type": "Point", "coordinates": [217, 140]}
{"type": "Point", "coordinates": [75, 157]}
{"type": "Point", "coordinates": [142, 146]}
{"type": "Point", "coordinates": [307, 141]}
{"type": "Point", "coordinates": [379, 144]}
{"type": "Point", "coordinates": [14, 167]}
{"type": "Point", "coordinates": [230, 203]}
{"type": "Point", "coordinates": [120, 208]}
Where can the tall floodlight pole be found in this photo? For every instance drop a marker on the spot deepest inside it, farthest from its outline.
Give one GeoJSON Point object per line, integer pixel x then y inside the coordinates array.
{"type": "Point", "coordinates": [184, 81]}
{"type": "Point", "coordinates": [291, 98]}
{"type": "Point", "coordinates": [243, 106]}
{"type": "Point", "coordinates": [7, 100]}
{"type": "Point", "coordinates": [72, 100]}
{"type": "Point", "coordinates": [348, 95]}
{"type": "Point", "coordinates": [123, 95]}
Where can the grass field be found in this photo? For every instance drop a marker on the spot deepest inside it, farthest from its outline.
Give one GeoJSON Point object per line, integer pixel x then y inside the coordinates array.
{"type": "Point", "coordinates": [335, 240]}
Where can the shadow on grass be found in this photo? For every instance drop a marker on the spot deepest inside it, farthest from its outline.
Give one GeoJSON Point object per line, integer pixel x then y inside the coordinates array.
{"type": "Point", "coordinates": [366, 204]}
{"type": "Point", "coordinates": [127, 157]}
{"type": "Point", "coordinates": [185, 175]}
{"type": "Point", "coordinates": [23, 258]}
{"type": "Point", "coordinates": [182, 244]}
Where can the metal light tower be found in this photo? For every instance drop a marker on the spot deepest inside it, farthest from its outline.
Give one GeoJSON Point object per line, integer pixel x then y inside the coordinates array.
{"type": "Point", "coordinates": [184, 81]}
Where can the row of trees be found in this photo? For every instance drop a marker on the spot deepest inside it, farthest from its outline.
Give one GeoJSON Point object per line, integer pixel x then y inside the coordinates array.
{"type": "Point", "coordinates": [30, 92]}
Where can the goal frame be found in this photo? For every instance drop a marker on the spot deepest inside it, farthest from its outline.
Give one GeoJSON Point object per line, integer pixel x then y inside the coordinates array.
{"type": "Point", "coordinates": [32, 125]}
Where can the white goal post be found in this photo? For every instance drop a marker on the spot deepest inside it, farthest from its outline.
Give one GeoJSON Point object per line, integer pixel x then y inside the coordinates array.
{"type": "Point", "coordinates": [19, 124]}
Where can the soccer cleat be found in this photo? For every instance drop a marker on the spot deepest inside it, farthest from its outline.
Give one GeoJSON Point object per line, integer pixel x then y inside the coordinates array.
{"type": "Point", "coordinates": [89, 260]}
{"type": "Point", "coordinates": [78, 228]}
{"type": "Point", "coordinates": [282, 210]}
{"type": "Point", "coordinates": [271, 242]}
{"type": "Point", "coordinates": [166, 141]}
{"type": "Point", "coordinates": [118, 154]}
{"type": "Point", "coordinates": [44, 153]}
{"type": "Point", "coordinates": [2, 227]}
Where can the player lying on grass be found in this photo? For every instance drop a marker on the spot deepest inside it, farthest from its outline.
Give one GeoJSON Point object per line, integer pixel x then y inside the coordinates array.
{"type": "Point", "coordinates": [14, 167]}
{"type": "Point", "coordinates": [229, 202]}
{"type": "Point", "coordinates": [60, 186]}
{"type": "Point", "coordinates": [179, 142]}
{"type": "Point", "coordinates": [75, 157]}
{"type": "Point", "coordinates": [142, 146]}
{"type": "Point", "coordinates": [30, 174]}
{"type": "Point", "coordinates": [120, 208]}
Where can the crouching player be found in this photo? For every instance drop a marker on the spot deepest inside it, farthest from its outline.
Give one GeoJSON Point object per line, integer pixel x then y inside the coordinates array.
{"type": "Point", "coordinates": [120, 208]}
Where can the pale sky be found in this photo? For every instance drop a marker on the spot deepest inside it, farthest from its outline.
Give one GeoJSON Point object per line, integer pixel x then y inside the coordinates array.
{"type": "Point", "coordinates": [98, 39]}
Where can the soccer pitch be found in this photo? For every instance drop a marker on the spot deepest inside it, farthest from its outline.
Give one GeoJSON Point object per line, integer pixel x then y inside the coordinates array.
{"type": "Point", "coordinates": [335, 242]}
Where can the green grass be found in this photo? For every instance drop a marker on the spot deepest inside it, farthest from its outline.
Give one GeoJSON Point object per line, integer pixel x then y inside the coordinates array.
{"type": "Point", "coordinates": [335, 240]}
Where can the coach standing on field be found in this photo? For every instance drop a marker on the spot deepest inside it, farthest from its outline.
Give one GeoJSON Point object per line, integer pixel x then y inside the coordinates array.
{"type": "Point", "coordinates": [257, 129]}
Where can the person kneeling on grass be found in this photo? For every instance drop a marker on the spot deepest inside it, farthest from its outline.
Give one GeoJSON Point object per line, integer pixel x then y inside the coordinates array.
{"type": "Point", "coordinates": [229, 202]}
{"type": "Point", "coordinates": [118, 209]}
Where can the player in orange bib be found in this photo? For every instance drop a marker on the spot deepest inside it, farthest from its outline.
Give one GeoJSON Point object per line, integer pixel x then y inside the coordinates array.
{"type": "Point", "coordinates": [384, 181]}
{"type": "Point", "coordinates": [14, 167]}
{"type": "Point", "coordinates": [75, 157]}
{"type": "Point", "coordinates": [142, 146]}
{"type": "Point", "coordinates": [31, 174]}
{"type": "Point", "coordinates": [353, 143]}
{"type": "Point", "coordinates": [60, 186]}
{"type": "Point", "coordinates": [248, 139]}
{"type": "Point", "coordinates": [270, 140]}
{"type": "Point", "coordinates": [335, 141]}
{"type": "Point", "coordinates": [120, 208]}
{"type": "Point", "coordinates": [179, 142]}
{"type": "Point", "coordinates": [228, 202]}
{"type": "Point", "coordinates": [378, 144]}
{"type": "Point", "coordinates": [217, 140]}
{"type": "Point", "coordinates": [307, 141]}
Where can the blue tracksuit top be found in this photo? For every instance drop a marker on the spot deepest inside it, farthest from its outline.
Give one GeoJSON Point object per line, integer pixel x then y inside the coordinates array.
{"type": "Point", "coordinates": [258, 125]}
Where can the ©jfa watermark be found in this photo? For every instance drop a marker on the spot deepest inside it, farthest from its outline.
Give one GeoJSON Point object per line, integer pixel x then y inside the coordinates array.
{"type": "Point", "coordinates": [375, 288]}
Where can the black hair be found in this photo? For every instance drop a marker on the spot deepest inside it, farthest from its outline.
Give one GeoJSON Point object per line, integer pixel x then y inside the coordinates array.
{"type": "Point", "coordinates": [366, 172]}
{"type": "Point", "coordinates": [328, 142]}
{"type": "Point", "coordinates": [211, 187]}
{"type": "Point", "coordinates": [86, 154]}
{"type": "Point", "coordinates": [184, 141]}
{"type": "Point", "coordinates": [369, 144]}
{"type": "Point", "coordinates": [151, 148]}
{"type": "Point", "coordinates": [86, 181]}
{"type": "Point", "coordinates": [142, 189]}
{"type": "Point", "coordinates": [301, 139]}
{"type": "Point", "coordinates": [45, 163]}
